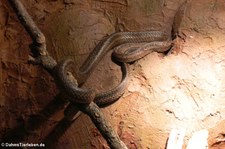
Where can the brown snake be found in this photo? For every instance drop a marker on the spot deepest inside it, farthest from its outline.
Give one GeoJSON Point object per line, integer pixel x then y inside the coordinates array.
{"type": "Point", "coordinates": [133, 51]}
{"type": "Point", "coordinates": [154, 41]}
{"type": "Point", "coordinates": [81, 95]}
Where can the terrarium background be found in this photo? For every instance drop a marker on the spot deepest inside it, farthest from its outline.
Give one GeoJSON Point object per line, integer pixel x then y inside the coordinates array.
{"type": "Point", "coordinates": [183, 89]}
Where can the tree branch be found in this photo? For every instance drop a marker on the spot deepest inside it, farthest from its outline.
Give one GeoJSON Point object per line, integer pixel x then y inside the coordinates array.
{"type": "Point", "coordinates": [28, 23]}
{"type": "Point", "coordinates": [41, 57]}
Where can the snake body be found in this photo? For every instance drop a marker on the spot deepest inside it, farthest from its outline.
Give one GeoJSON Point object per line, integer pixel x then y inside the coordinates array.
{"type": "Point", "coordinates": [110, 42]}
{"type": "Point", "coordinates": [132, 52]}
{"type": "Point", "coordinates": [110, 96]}
{"type": "Point", "coordinates": [67, 83]}
{"type": "Point", "coordinates": [159, 43]}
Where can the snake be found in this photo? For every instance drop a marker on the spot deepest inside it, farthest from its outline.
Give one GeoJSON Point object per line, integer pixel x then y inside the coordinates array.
{"type": "Point", "coordinates": [132, 52]}
{"type": "Point", "coordinates": [66, 81]}
{"type": "Point", "coordinates": [152, 40]}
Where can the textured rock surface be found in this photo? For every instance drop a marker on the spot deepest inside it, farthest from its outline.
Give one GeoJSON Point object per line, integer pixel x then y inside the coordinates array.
{"type": "Point", "coordinates": [183, 89]}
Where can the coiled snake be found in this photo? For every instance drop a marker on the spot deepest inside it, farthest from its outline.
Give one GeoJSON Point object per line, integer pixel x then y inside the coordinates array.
{"type": "Point", "coordinates": [126, 46]}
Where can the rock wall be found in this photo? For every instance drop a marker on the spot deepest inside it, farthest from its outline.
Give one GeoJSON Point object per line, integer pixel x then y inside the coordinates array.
{"type": "Point", "coordinates": [182, 89]}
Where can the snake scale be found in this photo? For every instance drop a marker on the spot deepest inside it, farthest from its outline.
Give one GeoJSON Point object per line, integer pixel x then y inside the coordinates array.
{"type": "Point", "coordinates": [126, 46]}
